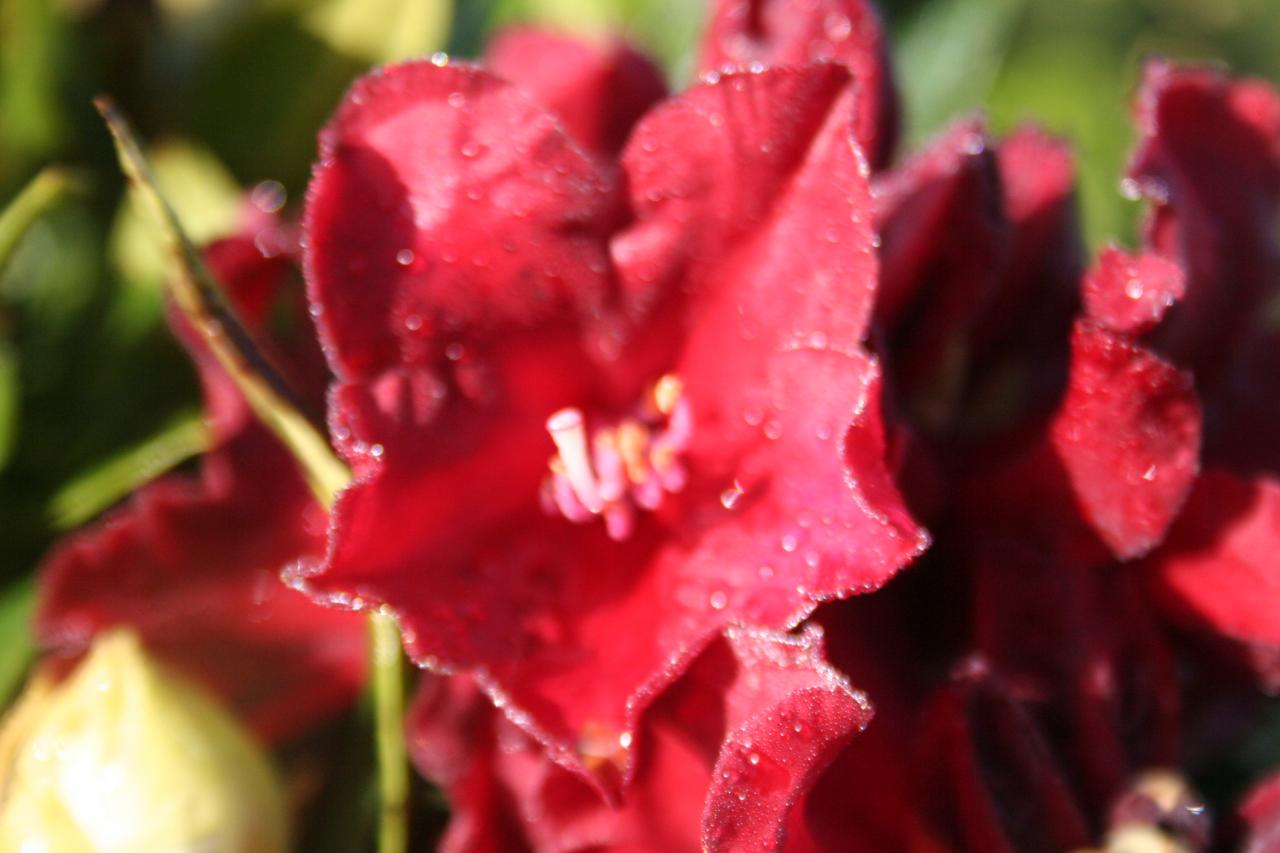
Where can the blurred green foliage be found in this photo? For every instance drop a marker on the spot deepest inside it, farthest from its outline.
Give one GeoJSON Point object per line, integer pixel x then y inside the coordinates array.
{"type": "Point", "coordinates": [94, 395]}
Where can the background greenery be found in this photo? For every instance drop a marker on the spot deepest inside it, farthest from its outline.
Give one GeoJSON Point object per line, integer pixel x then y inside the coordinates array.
{"type": "Point", "coordinates": [95, 397]}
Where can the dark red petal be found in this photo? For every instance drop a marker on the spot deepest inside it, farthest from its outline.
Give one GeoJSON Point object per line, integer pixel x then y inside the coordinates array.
{"type": "Point", "coordinates": [446, 200]}
{"type": "Point", "coordinates": [1260, 814]}
{"type": "Point", "coordinates": [193, 564]}
{"type": "Point", "coordinates": [1096, 672]}
{"type": "Point", "coordinates": [1021, 341]}
{"type": "Point", "coordinates": [753, 33]}
{"type": "Point", "coordinates": [1130, 293]}
{"type": "Point", "coordinates": [597, 90]}
{"type": "Point", "coordinates": [1218, 567]}
{"type": "Point", "coordinates": [944, 248]}
{"type": "Point", "coordinates": [1215, 198]}
{"type": "Point", "coordinates": [1128, 435]}
{"type": "Point", "coordinates": [994, 781]}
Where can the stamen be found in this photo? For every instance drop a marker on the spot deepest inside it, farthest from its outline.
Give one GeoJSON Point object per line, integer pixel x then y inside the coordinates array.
{"type": "Point", "coordinates": [570, 437]}
{"type": "Point", "coordinates": [628, 466]}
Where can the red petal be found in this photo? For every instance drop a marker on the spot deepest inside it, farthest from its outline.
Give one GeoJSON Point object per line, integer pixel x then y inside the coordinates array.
{"type": "Point", "coordinates": [193, 564]}
{"type": "Point", "coordinates": [1218, 567]}
{"type": "Point", "coordinates": [1214, 200]}
{"type": "Point", "coordinates": [1130, 293]}
{"type": "Point", "coordinates": [444, 201]}
{"type": "Point", "coordinates": [749, 33]}
{"type": "Point", "coordinates": [723, 756]}
{"type": "Point", "coordinates": [787, 718]}
{"type": "Point", "coordinates": [599, 91]}
{"type": "Point", "coordinates": [1128, 435]}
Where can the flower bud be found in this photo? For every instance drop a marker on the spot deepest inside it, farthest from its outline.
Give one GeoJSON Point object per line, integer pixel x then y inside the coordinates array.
{"type": "Point", "coordinates": [123, 756]}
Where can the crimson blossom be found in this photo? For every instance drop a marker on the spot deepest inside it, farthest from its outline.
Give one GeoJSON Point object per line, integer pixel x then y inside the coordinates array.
{"type": "Point", "coordinates": [600, 410]}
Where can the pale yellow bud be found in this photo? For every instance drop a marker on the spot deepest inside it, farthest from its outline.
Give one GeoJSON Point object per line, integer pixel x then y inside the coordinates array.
{"type": "Point", "coordinates": [123, 757]}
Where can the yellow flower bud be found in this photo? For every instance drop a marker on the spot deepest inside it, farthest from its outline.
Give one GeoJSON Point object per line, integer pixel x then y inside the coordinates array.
{"type": "Point", "coordinates": [122, 756]}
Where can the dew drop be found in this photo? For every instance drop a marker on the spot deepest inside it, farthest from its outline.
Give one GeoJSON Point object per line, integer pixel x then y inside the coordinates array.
{"type": "Point", "coordinates": [375, 450]}
{"type": "Point", "coordinates": [457, 100]}
{"type": "Point", "coordinates": [440, 59]}
{"type": "Point", "coordinates": [268, 196]}
{"type": "Point", "coordinates": [404, 257]}
{"type": "Point", "coordinates": [1133, 288]}
{"type": "Point", "coordinates": [789, 542]}
{"type": "Point", "coordinates": [753, 759]}
{"type": "Point", "coordinates": [753, 415]}
{"type": "Point", "coordinates": [413, 322]}
{"type": "Point", "coordinates": [729, 497]}
{"type": "Point", "coordinates": [718, 600]}
{"type": "Point", "coordinates": [469, 149]}
{"type": "Point", "coordinates": [772, 430]}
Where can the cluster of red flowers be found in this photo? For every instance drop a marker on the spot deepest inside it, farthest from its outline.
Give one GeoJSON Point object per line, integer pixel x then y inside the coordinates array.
{"type": "Point", "coordinates": [644, 395]}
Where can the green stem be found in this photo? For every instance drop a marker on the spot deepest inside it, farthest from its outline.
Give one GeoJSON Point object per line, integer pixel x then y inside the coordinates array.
{"type": "Point", "coordinates": [388, 704]}
{"type": "Point", "coordinates": [201, 300]}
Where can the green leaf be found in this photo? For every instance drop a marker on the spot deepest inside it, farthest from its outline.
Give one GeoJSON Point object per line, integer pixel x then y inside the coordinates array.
{"type": "Point", "coordinates": [16, 647]}
{"type": "Point", "coordinates": [106, 483]}
{"type": "Point", "coordinates": [380, 31]}
{"type": "Point", "coordinates": [10, 393]}
{"type": "Point", "coordinates": [948, 57]}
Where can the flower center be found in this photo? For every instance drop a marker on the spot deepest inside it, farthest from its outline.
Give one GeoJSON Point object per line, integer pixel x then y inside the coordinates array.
{"type": "Point", "coordinates": [615, 470]}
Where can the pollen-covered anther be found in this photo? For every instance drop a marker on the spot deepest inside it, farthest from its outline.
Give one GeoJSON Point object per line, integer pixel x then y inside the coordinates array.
{"type": "Point", "coordinates": [621, 467]}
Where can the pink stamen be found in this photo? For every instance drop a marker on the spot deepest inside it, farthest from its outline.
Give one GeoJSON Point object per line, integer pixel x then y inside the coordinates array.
{"type": "Point", "coordinates": [630, 466]}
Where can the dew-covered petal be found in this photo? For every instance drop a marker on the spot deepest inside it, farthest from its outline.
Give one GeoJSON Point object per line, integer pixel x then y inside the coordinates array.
{"type": "Point", "coordinates": [1131, 293]}
{"type": "Point", "coordinates": [1128, 435]}
{"type": "Point", "coordinates": [1218, 571]}
{"type": "Point", "coordinates": [445, 200]}
{"type": "Point", "coordinates": [1214, 202]}
{"type": "Point", "coordinates": [598, 90]}
{"type": "Point", "coordinates": [789, 713]}
{"type": "Point", "coordinates": [721, 757]}
{"type": "Point", "coordinates": [762, 33]}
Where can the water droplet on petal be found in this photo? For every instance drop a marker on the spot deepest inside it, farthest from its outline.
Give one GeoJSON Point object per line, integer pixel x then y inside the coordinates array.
{"type": "Point", "coordinates": [718, 600]}
{"type": "Point", "coordinates": [404, 257]}
{"type": "Point", "coordinates": [729, 497]}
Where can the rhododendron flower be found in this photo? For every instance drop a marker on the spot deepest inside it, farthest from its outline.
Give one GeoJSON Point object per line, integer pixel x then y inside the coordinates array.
{"type": "Point", "coordinates": [192, 564]}
{"type": "Point", "coordinates": [679, 334]}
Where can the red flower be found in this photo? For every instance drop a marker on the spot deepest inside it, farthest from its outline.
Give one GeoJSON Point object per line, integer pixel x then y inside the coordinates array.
{"type": "Point", "coordinates": [690, 336]}
{"type": "Point", "coordinates": [193, 564]}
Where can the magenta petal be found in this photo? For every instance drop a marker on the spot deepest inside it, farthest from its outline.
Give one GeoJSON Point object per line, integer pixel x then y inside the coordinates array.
{"type": "Point", "coordinates": [1218, 567]}
{"type": "Point", "coordinates": [446, 200]}
{"type": "Point", "coordinates": [598, 91]}
{"type": "Point", "coordinates": [749, 34]}
{"type": "Point", "coordinates": [1128, 435]}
